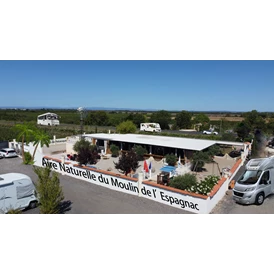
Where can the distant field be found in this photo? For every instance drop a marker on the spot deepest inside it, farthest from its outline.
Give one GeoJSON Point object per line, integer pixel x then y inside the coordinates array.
{"type": "Point", "coordinates": [231, 119]}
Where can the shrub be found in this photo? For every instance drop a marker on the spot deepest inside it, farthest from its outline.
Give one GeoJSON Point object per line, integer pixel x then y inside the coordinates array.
{"type": "Point", "coordinates": [126, 127]}
{"type": "Point", "coordinates": [114, 150]}
{"type": "Point", "coordinates": [206, 185]}
{"type": "Point", "coordinates": [184, 182]}
{"type": "Point", "coordinates": [171, 159]}
{"type": "Point", "coordinates": [28, 159]}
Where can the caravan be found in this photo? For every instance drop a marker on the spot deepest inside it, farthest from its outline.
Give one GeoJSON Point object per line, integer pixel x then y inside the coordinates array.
{"type": "Point", "coordinates": [17, 191]}
{"type": "Point", "coordinates": [256, 183]}
{"type": "Point", "coordinates": [152, 127]}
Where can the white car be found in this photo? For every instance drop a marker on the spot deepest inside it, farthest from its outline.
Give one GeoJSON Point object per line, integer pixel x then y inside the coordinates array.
{"type": "Point", "coordinates": [8, 153]}
{"type": "Point", "coordinates": [210, 132]}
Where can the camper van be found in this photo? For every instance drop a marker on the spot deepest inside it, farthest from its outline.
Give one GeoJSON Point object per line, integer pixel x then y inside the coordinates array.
{"type": "Point", "coordinates": [48, 119]}
{"type": "Point", "coordinates": [152, 127]}
{"type": "Point", "coordinates": [17, 191]}
{"type": "Point", "coordinates": [256, 183]}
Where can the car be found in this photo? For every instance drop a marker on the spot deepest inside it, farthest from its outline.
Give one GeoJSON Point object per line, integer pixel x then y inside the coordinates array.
{"type": "Point", "coordinates": [8, 153]}
{"type": "Point", "coordinates": [208, 132]}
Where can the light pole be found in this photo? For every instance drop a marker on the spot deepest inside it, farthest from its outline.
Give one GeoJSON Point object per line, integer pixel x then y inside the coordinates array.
{"type": "Point", "coordinates": [81, 111]}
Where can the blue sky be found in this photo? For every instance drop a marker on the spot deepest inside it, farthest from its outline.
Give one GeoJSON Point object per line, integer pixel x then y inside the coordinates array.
{"type": "Point", "coordinates": [169, 85]}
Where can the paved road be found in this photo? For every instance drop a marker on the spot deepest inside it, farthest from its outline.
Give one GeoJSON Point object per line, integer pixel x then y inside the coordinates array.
{"type": "Point", "coordinates": [86, 198]}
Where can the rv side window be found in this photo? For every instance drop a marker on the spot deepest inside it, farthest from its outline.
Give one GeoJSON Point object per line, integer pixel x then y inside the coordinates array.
{"type": "Point", "coordinates": [265, 178]}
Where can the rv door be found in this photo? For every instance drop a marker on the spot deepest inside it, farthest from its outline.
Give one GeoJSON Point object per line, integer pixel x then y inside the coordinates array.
{"type": "Point", "coordinates": [266, 183]}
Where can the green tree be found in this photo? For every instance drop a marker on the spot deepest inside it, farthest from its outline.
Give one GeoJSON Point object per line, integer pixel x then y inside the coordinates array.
{"type": "Point", "coordinates": [86, 152]}
{"type": "Point", "coordinates": [171, 159]}
{"type": "Point", "coordinates": [270, 126]}
{"type": "Point", "coordinates": [116, 118]}
{"type": "Point", "coordinates": [137, 118]}
{"type": "Point", "coordinates": [26, 131]}
{"type": "Point", "coordinates": [126, 127]}
{"type": "Point", "coordinates": [49, 191]}
{"type": "Point", "coordinates": [201, 118]}
{"type": "Point", "coordinates": [199, 159]}
{"type": "Point", "coordinates": [162, 117]}
{"type": "Point", "coordinates": [82, 143]}
{"type": "Point", "coordinates": [243, 129]}
{"type": "Point", "coordinates": [40, 138]}
{"type": "Point", "coordinates": [140, 151]}
{"type": "Point", "coordinates": [183, 120]}
{"type": "Point", "coordinates": [114, 150]}
{"type": "Point", "coordinates": [128, 161]}
{"type": "Point", "coordinates": [254, 120]}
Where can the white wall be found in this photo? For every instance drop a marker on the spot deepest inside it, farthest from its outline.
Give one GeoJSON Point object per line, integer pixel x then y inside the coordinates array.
{"type": "Point", "coordinates": [129, 185]}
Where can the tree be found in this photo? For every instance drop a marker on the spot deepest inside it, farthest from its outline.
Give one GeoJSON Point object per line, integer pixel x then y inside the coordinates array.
{"type": "Point", "coordinates": [49, 191]}
{"type": "Point", "coordinates": [199, 159]}
{"type": "Point", "coordinates": [171, 159]}
{"type": "Point", "coordinates": [41, 138]}
{"type": "Point", "coordinates": [126, 127]}
{"type": "Point", "coordinates": [202, 119]}
{"type": "Point", "coordinates": [243, 129]}
{"type": "Point", "coordinates": [254, 120]}
{"type": "Point", "coordinates": [162, 117]}
{"type": "Point", "coordinates": [137, 118]}
{"type": "Point", "coordinates": [114, 150]}
{"type": "Point", "coordinates": [25, 133]}
{"type": "Point", "coordinates": [128, 161]}
{"type": "Point", "coordinates": [87, 153]}
{"type": "Point", "coordinates": [140, 151]}
{"type": "Point", "coordinates": [183, 119]}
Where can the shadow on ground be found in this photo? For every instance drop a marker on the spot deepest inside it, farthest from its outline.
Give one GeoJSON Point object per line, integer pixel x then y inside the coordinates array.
{"type": "Point", "coordinates": [65, 206]}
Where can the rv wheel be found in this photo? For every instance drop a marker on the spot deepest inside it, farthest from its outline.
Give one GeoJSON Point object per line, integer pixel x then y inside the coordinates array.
{"type": "Point", "coordinates": [33, 204]}
{"type": "Point", "coordinates": [259, 199]}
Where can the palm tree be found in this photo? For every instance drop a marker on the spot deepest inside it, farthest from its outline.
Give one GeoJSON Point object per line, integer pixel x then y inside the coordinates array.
{"type": "Point", "coordinates": [25, 132]}
{"type": "Point", "coordinates": [42, 138]}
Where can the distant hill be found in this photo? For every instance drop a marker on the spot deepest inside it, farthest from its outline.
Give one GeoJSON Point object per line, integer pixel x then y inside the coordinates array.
{"type": "Point", "coordinates": [116, 109]}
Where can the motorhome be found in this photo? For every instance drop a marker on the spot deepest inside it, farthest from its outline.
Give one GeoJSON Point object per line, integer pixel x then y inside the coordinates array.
{"type": "Point", "coordinates": [17, 191]}
{"type": "Point", "coordinates": [48, 119]}
{"type": "Point", "coordinates": [152, 127]}
{"type": "Point", "coordinates": [256, 183]}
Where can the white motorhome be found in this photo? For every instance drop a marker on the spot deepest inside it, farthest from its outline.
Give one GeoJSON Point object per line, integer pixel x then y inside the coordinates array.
{"type": "Point", "coordinates": [17, 191]}
{"type": "Point", "coordinates": [48, 119]}
{"type": "Point", "coordinates": [256, 183]}
{"type": "Point", "coordinates": [152, 127]}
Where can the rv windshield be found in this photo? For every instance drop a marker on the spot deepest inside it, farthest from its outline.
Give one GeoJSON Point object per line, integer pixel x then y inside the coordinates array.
{"type": "Point", "coordinates": [250, 177]}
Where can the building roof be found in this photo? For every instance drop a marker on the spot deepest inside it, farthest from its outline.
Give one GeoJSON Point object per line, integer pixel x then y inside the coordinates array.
{"type": "Point", "coordinates": [164, 141]}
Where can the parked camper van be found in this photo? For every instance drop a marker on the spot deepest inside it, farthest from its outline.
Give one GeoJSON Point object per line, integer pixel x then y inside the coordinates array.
{"type": "Point", "coordinates": [48, 119]}
{"type": "Point", "coordinates": [17, 191]}
{"type": "Point", "coordinates": [256, 183]}
{"type": "Point", "coordinates": [152, 127]}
